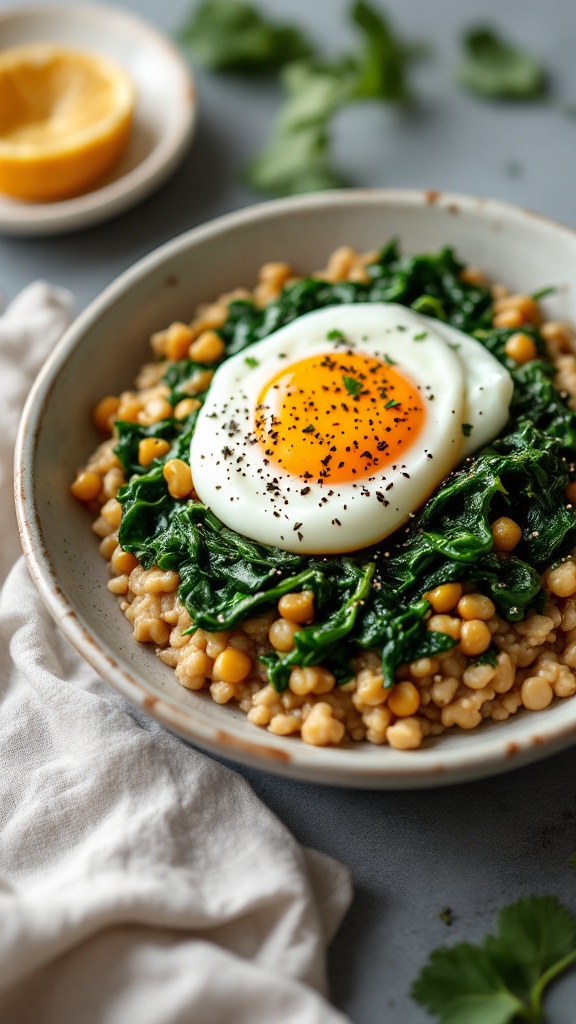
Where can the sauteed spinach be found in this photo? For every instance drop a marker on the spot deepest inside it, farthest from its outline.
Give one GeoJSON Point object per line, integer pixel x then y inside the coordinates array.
{"type": "Point", "coordinates": [372, 598]}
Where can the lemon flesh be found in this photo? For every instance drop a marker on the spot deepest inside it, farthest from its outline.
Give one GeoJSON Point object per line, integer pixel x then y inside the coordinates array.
{"type": "Point", "coordinates": [65, 118]}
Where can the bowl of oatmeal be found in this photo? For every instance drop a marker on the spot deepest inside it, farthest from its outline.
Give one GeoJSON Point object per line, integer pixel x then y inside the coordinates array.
{"type": "Point", "coordinates": [398, 612]}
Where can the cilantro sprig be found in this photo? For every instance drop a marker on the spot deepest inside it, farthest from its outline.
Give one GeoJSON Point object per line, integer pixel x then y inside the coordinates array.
{"type": "Point", "coordinates": [503, 979]}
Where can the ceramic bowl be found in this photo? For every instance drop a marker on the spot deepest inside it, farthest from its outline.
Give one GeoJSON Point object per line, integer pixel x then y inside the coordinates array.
{"type": "Point", "coordinates": [100, 354]}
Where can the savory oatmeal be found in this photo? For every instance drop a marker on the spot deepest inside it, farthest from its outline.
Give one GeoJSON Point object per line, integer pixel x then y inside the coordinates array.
{"type": "Point", "coordinates": [465, 611]}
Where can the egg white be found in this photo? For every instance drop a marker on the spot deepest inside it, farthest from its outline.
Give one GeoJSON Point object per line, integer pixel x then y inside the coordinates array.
{"type": "Point", "coordinates": [458, 380]}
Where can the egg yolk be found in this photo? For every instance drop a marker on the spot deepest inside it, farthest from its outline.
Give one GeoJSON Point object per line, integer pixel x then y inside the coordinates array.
{"type": "Point", "coordinates": [337, 417]}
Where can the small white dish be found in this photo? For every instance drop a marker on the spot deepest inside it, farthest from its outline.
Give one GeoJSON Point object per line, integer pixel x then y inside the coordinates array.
{"type": "Point", "coordinates": [100, 355]}
{"type": "Point", "coordinates": [164, 119]}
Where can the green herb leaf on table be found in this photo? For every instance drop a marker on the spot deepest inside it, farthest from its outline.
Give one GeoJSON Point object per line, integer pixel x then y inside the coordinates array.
{"type": "Point", "coordinates": [231, 35]}
{"type": "Point", "coordinates": [297, 158]}
{"type": "Point", "coordinates": [504, 978]}
{"type": "Point", "coordinates": [495, 69]}
{"type": "Point", "coordinates": [382, 66]}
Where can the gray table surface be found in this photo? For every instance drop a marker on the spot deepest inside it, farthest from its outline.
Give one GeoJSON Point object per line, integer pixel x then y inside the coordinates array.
{"type": "Point", "coordinates": [473, 847]}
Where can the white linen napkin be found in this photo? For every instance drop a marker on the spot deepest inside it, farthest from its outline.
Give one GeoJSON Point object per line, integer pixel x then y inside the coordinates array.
{"type": "Point", "coordinates": [141, 882]}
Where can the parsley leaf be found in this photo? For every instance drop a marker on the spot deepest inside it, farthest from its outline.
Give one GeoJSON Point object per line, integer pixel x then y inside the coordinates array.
{"type": "Point", "coordinates": [494, 68]}
{"type": "Point", "coordinates": [353, 386]}
{"type": "Point", "coordinates": [251, 361]}
{"type": "Point", "coordinates": [231, 35]}
{"type": "Point", "coordinates": [297, 158]}
{"type": "Point", "coordinates": [504, 978]}
{"type": "Point", "coordinates": [391, 404]}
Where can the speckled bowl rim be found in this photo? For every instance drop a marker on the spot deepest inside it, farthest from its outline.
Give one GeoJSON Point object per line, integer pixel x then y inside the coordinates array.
{"type": "Point", "coordinates": [260, 749]}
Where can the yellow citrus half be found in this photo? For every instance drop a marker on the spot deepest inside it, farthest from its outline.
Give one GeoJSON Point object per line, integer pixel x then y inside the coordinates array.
{"type": "Point", "coordinates": [65, 117]}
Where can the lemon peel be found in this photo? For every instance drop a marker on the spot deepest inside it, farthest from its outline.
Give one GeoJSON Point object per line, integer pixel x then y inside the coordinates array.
{"type": "Point", "coordinates": [65, 119]}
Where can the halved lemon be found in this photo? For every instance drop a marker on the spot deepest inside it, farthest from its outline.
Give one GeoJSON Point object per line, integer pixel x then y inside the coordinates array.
{"type": "Point", "coordinates": [65, 118]}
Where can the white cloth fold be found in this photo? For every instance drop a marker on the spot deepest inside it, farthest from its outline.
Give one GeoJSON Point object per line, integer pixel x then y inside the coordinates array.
{"type": "Point", "coordinates": [141, 882]}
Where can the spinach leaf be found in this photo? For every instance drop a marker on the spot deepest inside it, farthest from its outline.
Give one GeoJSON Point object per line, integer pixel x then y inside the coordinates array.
{"type": "Point", "coordinates": [129, 437]}
{"type": "Point", "coordinates": [180, 375]}
{"type": "Point", "coordinates": [230, 35]}
{"type": "Point", "coordinates": [535, 397]}
{"type": "Point", "coordinates": [451, 536]}
{"type": "Point", "coordinates": [177, 432]}
{"type": "Point", "coordinates": [350, 591]}
{"type": "Point", "coordinates": [496, 69]}
{"type": "Point", "coordinates": [409, 280]}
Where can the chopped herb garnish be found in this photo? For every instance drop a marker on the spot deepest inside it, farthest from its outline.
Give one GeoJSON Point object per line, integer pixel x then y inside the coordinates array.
{"type": "Point", "coordinates": [503, 979]}
{"type": "Point", "coordinates": [467, 429]}
{"type": "Point", "coordinates": [572, 861]}
{"type": "Point", "coordinates": [421, 336]}
{"type": "Point", "coordinates": [336, 335]}
{"type": "Point", "coordinates": [309, 429]}
{"type": "Point", "coordinates": [251, 361]}
{"type": "Point", "coordinates": [390, 361]}
{"type": "Point", "coordinates": [353, 386]}
{"type": "Point", "coordinates": [446, 915]}
{"type": "Point", "coordinates": [391, 404]}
